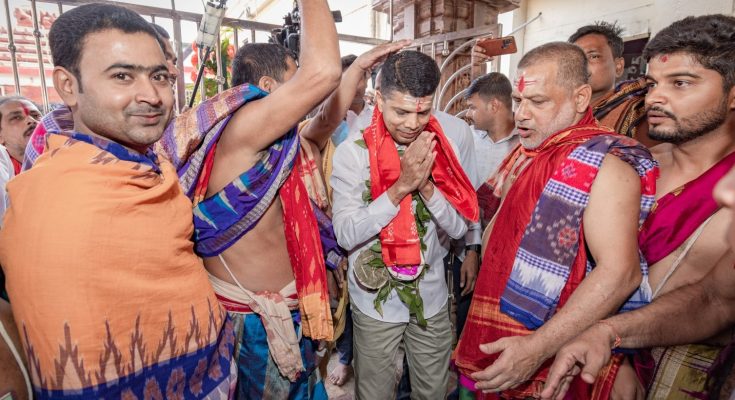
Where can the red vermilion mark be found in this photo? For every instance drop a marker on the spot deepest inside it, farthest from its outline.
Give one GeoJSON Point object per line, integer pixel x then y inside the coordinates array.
{"type": "Point", "coordinates": [522, 84]}
{"type": "Point", "coordinates": [418, 106]}
{"type": "Point", "coordinates": [664, 58]}
{"type": "Point", "coordinates": [26, 110]}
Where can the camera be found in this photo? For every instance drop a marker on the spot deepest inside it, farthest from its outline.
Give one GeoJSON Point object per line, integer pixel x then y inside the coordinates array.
{"type": "Point", "coordinates": [289, 35]}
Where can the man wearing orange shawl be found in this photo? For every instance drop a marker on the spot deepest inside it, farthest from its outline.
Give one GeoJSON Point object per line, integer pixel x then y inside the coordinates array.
{"type": "Point", "coordinates": [559, 257]}
{"type": "Point", "coordinates": [395, 190]}
{"type": "Point", "coordinates": [108, 296]}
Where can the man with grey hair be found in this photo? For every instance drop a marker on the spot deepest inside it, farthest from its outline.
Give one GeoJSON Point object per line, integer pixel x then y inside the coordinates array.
{"type": "Point", "coordinates": [18, 118]}
{"type": "Point", "coordinates": [566, 258]}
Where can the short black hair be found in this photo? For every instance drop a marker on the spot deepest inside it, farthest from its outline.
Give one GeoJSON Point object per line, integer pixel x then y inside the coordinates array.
{"type": "Point", "coordinates": [69, 31]}
{"type": "Point", "coordinates": [710, 39]}
{"type": "Point", "coordinates": [161, 31]}
{"type": "Point", "coordinates": [347, 61]}
{"type": "Point", "coordinates": [570, 59]}
{"type": "Point", "coordinates": [611, 32]}
{"type": "Point", "coordinates": [492, 86]}
{"type": "Point", "coordinates": [412, 72]}
{"type": "Point", "coordinates": [256, 60]}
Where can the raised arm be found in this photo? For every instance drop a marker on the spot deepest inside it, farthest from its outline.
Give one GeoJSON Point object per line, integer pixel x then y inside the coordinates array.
{"type": "Point", "coordinates": [261, 122]}
{"type": "Point", "coordinates": [334, 109]}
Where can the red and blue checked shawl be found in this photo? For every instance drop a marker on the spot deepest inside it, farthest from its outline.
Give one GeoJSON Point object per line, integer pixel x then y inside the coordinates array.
{"type": "Point", "coordinates": [551, 241]}
{"type": "Point", "coordinates": [546, 189]}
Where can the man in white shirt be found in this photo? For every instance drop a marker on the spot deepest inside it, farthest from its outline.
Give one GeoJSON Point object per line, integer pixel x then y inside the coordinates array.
{"type": "Point", "coordinates": [461, 256]}
{"type": "Point", "coordinates": [390, 201]}
{"type": "Point", "coordinates": [491, 111]}
{"type": "Point", "coordinates": [466, 251]}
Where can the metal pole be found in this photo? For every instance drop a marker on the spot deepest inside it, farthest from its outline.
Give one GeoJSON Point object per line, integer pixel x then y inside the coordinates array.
{"type": "Point", "coordinates": [523, 25]}
{"type": "Point", "coordinates": [236, 38]}
{"type": "Point", "coordinates": [218, 60]}
{"type": "Point", "coordinates": [449, 82]}
{"type": "Point", "coordinates": [12, 49]}
{"type": "Point", "coordinates": [153, 19]}
{"type": "Point", "coordinates": [456, 51]}
{"type": "Point", "coordinates": [61, 8]}
{"type": "Point", "coordinates": [252, 36]}
{"type": "Point", "coordinates": [180, 86]}
{"type": "Point", "coordinates": [199, 80]}
{"type": "Point", "coordinates": [468, 44]}
{"type": "Point", "coordinates": [473, 41]}
{"type": "Point", "coordinates": [39, 50]}
{"type": "Point", "coordinates": [454, 99]}
{"type": "Point", "coordinates": [390, 19]}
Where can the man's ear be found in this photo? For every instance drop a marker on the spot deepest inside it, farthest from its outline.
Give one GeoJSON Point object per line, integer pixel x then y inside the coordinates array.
{"type": "Point", "coordinates": [731, 98]}
{"type": "Point", "coordinates": [493, 105]}
{"type": "Point", "coordinates": [582, 96]}
{"type": "Point", "coordinates": [267, 83]}
{"type": "Point", "coordinates": [619, 67]}
{"type": "Point", "coordinates": [379, 100]}
{"type": "Point", "coordinates": [67, 85]}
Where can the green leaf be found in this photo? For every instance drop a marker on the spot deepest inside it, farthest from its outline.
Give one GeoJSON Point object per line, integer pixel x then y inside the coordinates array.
{"type": "Point", "coordinates": [420, 305]}
{"type": "Point", "coordinates": [377, 263]}
{"type": "Point", "coordinates": [422, 213]}
{"type": "Point", "coordinates": [376, 247]}
{"type": "Point", "coordinates": [420, 317]}
{"type": "Point", "coordinates": [367, 197]}
{"type": "Point", "coordinates": [381, 298]}
{"type": "Point", "coordinates": [361, 143]}
{"type": "Point", "coordinates": [378, 306]}
{"type": "Point", "coordinates": [405, 295]}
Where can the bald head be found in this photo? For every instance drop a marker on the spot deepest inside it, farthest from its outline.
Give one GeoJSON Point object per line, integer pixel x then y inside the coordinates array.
{"type": "Point", "coordinates": [569, 58]}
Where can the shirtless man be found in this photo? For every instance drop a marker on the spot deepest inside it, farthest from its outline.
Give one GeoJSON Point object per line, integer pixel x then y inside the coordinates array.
{"type": "Point", "coordinates": [254, 224]}
{"type": "Point", "coordinates": [690, 103]}
{"type": "Point", "coordinates": [690, 109]}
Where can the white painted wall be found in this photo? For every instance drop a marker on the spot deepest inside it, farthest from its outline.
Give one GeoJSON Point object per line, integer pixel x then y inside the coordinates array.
{"type": "Point", "coordinates": [560, 18]}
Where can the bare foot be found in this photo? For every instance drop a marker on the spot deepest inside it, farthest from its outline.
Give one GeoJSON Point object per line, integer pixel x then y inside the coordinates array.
{"type": "Point", "coordinates": [340, 374]}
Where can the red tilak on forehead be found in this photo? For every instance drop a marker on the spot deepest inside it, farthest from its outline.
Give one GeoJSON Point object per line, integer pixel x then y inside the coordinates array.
{"type": "Point", "coordinates": [522, 84]}
{"type": "Point", "coordinates": [664, 58]}
{"type": "Point", "coordinates": [26, 110]}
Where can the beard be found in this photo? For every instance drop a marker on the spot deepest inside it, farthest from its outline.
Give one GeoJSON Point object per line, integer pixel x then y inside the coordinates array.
{"type": "Point", "coordinates": [564, 119]}
{"type": "Point", "coordinates": [690, 128]}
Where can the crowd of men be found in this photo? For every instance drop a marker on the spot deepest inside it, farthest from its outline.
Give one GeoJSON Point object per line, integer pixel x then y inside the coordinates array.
{"type": "Point", "coordinates": [218, 253]}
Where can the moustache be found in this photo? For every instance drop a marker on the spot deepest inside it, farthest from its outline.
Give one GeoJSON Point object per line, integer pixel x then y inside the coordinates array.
{"type": "Point", "coordinates": [662, 111]}
{"type": "Point", "coordinates": [30, 130]}
{"type": "Point", "coordinates": [145, 110]}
